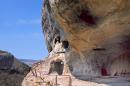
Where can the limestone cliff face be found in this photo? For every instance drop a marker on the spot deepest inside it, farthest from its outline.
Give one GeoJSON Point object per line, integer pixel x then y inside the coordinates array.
{"type": "Point", "coordinates": [96, 31]}
{"type": "Point", "coordinates": [12, 71]}
{"type": "Point", "coordinates": [86, 39]}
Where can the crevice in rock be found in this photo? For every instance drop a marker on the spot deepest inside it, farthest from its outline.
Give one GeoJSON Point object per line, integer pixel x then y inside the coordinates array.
{"type": "Point", "coordinates": [99, 49]}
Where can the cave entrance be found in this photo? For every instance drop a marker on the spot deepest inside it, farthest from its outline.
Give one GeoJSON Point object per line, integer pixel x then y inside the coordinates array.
{"type": "Point", "coordinates": [57, 66]}
{"type": "Point", "coordinates": [65, 44]}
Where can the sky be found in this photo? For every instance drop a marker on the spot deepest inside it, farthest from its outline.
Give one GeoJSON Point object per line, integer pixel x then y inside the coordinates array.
{"type": "Point", "coordinates": [20, 29]}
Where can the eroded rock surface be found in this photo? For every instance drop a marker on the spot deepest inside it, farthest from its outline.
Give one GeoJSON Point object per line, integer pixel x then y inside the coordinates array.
{"type": "Point", "coordinates": [87, 40]}
{"type": "Point", "coordinates": [12, 71]}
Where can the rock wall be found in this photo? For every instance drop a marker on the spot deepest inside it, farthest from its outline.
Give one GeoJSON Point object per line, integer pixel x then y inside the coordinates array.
{"type": "Point", "coordinates": [95, 32]}
{"type": "Point", "coordinates": [88, 38]}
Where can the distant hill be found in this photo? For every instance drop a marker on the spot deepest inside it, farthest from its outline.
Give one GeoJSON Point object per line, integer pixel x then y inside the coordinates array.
{"type": "Point", "coordinates": [29, 62]}
{"type": "Point", "coordinates": [12, 70]}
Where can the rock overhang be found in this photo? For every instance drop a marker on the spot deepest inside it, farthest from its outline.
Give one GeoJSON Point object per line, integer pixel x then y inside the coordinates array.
{"type": "Point", "coordinates": [101, 15]}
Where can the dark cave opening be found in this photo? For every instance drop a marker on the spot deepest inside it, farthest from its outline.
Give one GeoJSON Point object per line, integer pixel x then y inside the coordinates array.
{"type": "Point", "coordinates": [56, 66]}
{"type": "Point", "coordinates": [57, 39]}
{"type": "Point", "coordinates": [65, 44]}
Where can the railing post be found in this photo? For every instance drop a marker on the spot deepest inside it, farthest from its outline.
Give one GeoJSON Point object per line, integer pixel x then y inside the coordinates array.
{"type": "Point", "coordinates": [70, 81]}
{"type": "Point", "coordinates": [56, 80]}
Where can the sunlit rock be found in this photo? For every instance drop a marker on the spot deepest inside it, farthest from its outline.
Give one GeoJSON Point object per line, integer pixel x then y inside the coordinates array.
{"type": "Point", "coordinates": [90, 39]}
